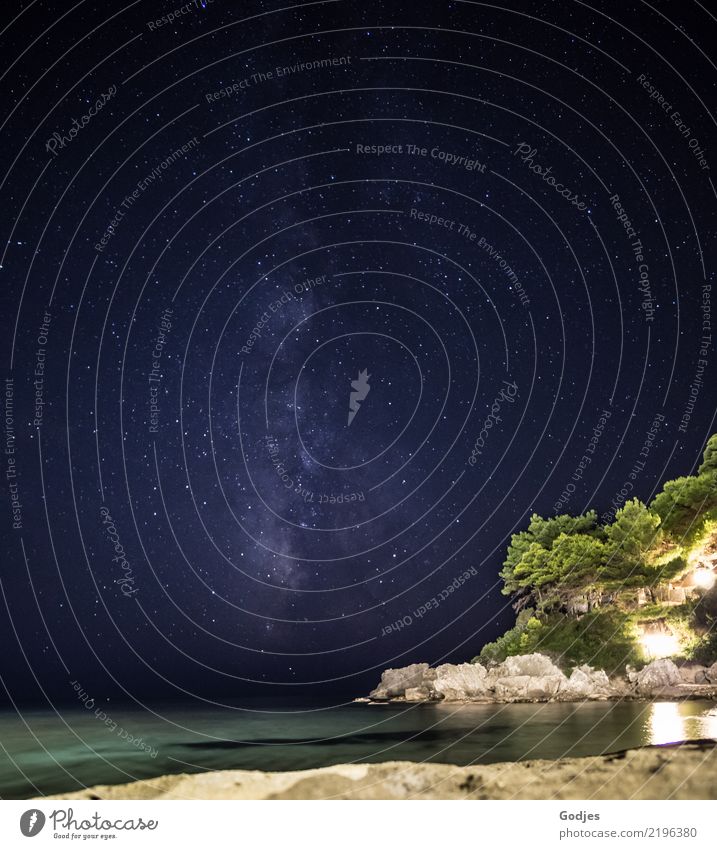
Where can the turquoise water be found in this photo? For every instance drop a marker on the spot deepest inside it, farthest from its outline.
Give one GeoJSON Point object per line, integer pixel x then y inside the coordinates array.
{"type": "Point", "coordinates": [43, 752]}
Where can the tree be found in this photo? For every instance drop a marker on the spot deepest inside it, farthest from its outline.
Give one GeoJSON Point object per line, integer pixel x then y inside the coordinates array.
{"type": "Point", "coordinates": [541, 532]}
{"type": "Point", "coordinates": [550, 576]}
{"type": "Point", "coordinates": [685, 504]}
{"type": "Point", "coordinates": [709, 458]}
{"type": "Point", "coordinates": [632, 540]}
{"type": "Point", "coordinates": [578, 560]}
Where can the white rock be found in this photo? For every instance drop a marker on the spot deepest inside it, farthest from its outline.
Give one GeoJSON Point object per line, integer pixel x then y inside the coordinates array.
{"type": "Point", "coordinates": [586, 683]}
{"type": "Point", "coordinates": [711, 674]}
{"type": "Point", "coordinates": [656, 675]}
{"type": "Point", "coordinates": [461, 681]}
{"type": "Point", "coordinates": [418, 694]}
{"type": "Point", "coordinates": [526, 664]}
{"type": "Point", "coordinates": [529, 676]}
{"type": "Point", "coordinates": [692, 674]}
{"type": "Point", "coordinates": [395, 682]}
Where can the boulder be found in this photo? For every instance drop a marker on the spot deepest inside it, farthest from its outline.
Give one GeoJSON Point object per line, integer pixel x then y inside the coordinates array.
{"type": "Point", "coordinates": [395, 682]}
{"type": "Point", "coordinates": [693, 674]}
{"type": "Point", "coordinates": [711, 674]}
{"type": "Point", "coordinates": [526, 677]}
{"type": "Point", "coordinates": [418, 694]}
{"type": "Point", "coordinates": [528, 687]}
{"type": "Point", "coordinates": [657, 675]}
{"type": "Point", "coordinates": [526, 664]}
{"type": "Point", "coordinates": [586, 683]}
{"type": "Point", "coordinates": [461, 681]}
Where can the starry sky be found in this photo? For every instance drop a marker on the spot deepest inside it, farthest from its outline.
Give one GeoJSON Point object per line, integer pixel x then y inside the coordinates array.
{"type": "Point", "coordinates": [307, 307]}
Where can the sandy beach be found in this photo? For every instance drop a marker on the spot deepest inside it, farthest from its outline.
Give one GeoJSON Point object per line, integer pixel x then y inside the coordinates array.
{"type": "Point", "coordinates": [679, 771]}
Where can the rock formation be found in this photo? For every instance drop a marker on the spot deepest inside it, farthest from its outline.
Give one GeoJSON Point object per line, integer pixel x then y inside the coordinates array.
{"type": "Point", "coordinates": [656, 676]}
{"type": "Point", "coordinates": [394, 682]}
{"type": "Point", "coordinates": [535, 678]}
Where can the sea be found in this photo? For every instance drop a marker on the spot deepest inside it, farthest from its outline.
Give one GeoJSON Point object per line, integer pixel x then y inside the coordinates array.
{"type": "Point", "coordinates": [44, 752]}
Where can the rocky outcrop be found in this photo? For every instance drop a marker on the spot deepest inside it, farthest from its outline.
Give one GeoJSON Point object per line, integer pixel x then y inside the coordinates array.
{"type": "Point", "coordinates": [656, 676]}
{"type": "Point", "coordinates": [529, 677]}
{"type": "Point", "coordinates": [693, 674]}
{"type": "Point", "coordinates": [395, 682]}
{"type": "Point", "coordinates": [523, 678]}
{"type": "Point", "coordinates": [684, 771]}
{"type": "Point", "coordinates": [419, 694]}
{"type": "Point", "coordinates": [586, 683]}
{"type": "Point", "coordinates": [461, 681]}
{"type": "Point", "coordinates": [535, 678]}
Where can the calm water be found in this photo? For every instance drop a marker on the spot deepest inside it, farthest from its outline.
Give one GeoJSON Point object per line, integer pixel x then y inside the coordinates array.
{"type": "Point", "coordinates": [49, 753]}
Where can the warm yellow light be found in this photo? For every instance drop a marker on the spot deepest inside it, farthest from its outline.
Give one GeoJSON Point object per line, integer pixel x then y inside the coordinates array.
{"type": "Point", "coordinates": [704, 578]}
{"type": "Point", "coordinates": [666, 723]}
{"type": "Point", "coordinates": [660, 645]}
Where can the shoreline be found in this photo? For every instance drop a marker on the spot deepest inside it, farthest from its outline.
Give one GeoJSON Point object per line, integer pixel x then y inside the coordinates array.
{"type": "Point", "coordinates": [670, 694]}
{"type": "Point", "coordinates": [535, 678]}
{"type": "Point", "coordinates": [686, 770]}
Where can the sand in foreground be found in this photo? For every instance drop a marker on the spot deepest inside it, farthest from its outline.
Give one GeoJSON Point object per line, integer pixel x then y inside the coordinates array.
{"type": "Point", "coordinates": [680, 771]}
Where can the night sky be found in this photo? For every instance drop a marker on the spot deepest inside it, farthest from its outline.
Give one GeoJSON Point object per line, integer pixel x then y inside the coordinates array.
{"type": "Point", "coordinates": [307, 307]}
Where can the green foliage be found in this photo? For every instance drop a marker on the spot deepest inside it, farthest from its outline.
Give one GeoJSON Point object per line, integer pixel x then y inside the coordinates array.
{"type": "Point", "coordinates": [632, 540]}
{"type": "Point", "coordinates": [603, 639]}
{"type": "Point", "coordinates": [517, 640]}
{"type": "Point", "coordinates": [577, 560]}
{"type": "Point", "coordinates": [709, 458]}
{"type": "Point", "coordinates": [706, 610]}
{"type": "Point", "coordinates": [568, 563]}
{"type": "Point", "coordinates": [705, 650]}
{"type": "Point", "coordinates": [564, 552]}
{"type": "Point", "coordinates": [685, 504]}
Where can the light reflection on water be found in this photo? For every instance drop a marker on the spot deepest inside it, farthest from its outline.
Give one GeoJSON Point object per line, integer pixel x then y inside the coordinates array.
{"type": "Point", "coordinates": [43, 752]}
{"type": "Point", "coordinates": [669, 722]}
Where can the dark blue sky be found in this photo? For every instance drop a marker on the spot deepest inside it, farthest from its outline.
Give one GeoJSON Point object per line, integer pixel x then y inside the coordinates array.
{"type": "Point", "coordinates": [213, 224]}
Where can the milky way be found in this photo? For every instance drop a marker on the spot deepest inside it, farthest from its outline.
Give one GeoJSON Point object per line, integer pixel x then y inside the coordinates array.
{"type": "Point", "coordinates": [307, 309]}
